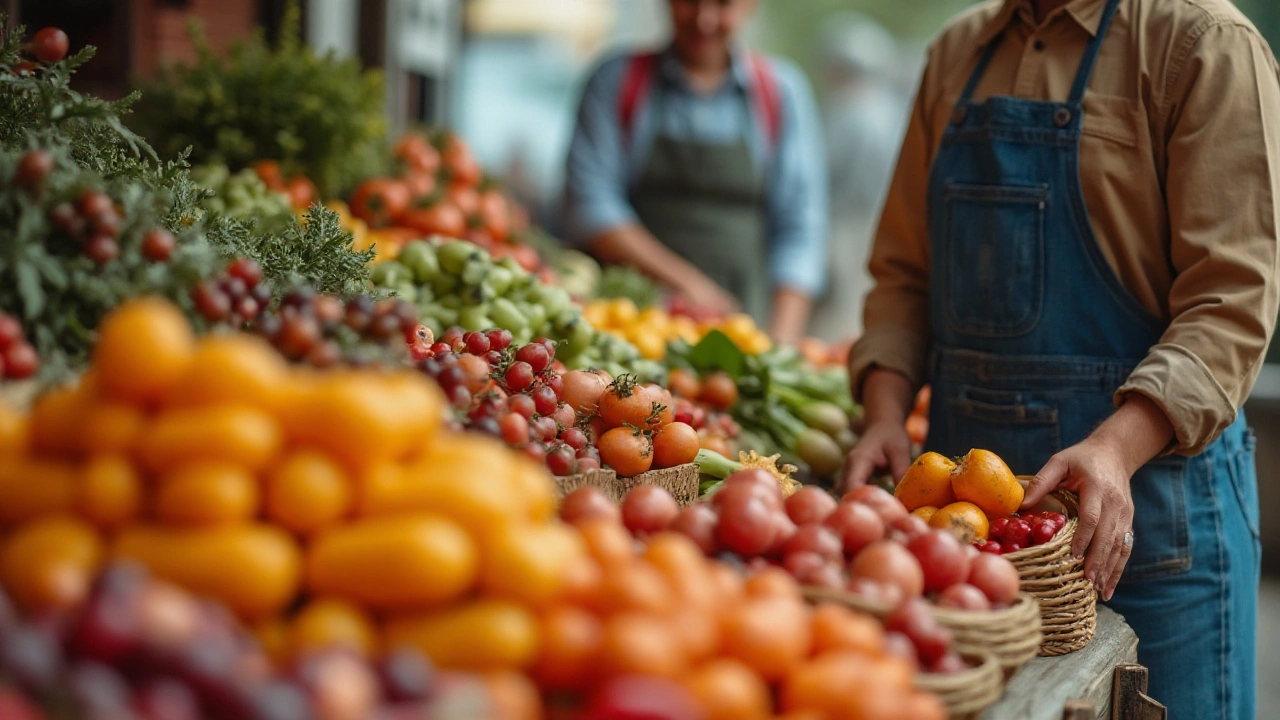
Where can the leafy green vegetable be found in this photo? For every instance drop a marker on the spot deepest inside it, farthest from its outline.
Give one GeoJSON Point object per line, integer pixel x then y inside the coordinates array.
{"type": "Point", "coordinates": [318, 115]}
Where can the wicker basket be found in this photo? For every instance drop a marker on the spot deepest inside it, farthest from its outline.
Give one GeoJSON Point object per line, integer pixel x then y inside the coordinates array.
{"type": "Point", "coordinates": [967, 694]}
{"type": "Point", "coordinates": [817, 595]}
{"type": "Point", "coordinates": [1049, 572]}
{"type": "Point", "coordinates": [1011, 635]}
{"type": "Point", "coordinates": [681, 481]}
{"type": "Point", "coordinates": [605, 480]}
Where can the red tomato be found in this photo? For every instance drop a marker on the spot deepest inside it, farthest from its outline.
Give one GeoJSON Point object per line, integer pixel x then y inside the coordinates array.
{"type": "Point", "coordinates": [649, 509]}
{"type": "Point", "coordinates": [995, 577]}
{"type": "Point", "coordinates": [890, 562]}
{"type": "Point", "coordinates": [810, 505]}
{"type": "Point", "coordinates": [380, 201]}
{"type": "Point", "coordinates": [856, 525]}
{"type": "Point", "coordinates": [442, 218]}
{"type": "Point", "coordinates": [698, 523]}
{"type": "Point", "coordinates": [941, 557]}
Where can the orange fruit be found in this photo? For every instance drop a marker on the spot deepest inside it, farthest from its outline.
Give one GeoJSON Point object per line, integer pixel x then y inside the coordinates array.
{"type": "Point", "coordinates": [698, 630]}
{"type": "Point", "coordinates": [983, 479]}
{"type": "Point", "coordinates": [683, 565]}
{"type": "Point", "coordinates": [307, 492]}
{"type": "Point", "coordinates": [431, 483]}
{"type": "Point", "coordinates": [111, 427]}
{"type": "Point", "coordinates": [54, 426]}
{"type": "Point", "coordinates": [963, 519]}
{"type": "Point", "coordinates": [207, 493]}
{"type": "Point", "coordinates": [534, 484]}
{"type": "Point", "coordinates": [479, 635]}
{"type": "Point", "coordinates": [927, 482]}
{"type": "Point", "coordinates": [728, 584]}
{"type": "Point", "coordinates": [144, 346]}
{"type": "Point", "coordinates": [637, 586]}
{"type": "Point", "coordinates": [253, 569]}
{"type": "Point", "coordinates": [273, 635]}
{"type": "Point", "coordinates": [326, 624]}
{"type": "Point", "coordinates": [925, 512]}
{"type": "Point", "coordinates": [771, 635]}
{"type": "Point", "coordinates": [729, 690]}
{"type": "Point", "coordinates": [48, 564]}
{"type": "Point", "coordinates": [571, 640]}
{"type": "Point", "coordinates": [584, 585]}
{"type": "Point", "coordinates": [608, 542]}
{"type": "Point", "coordinates": [110, 491]}
{"type": "Point", "coordinates": [31, 487]}
{"type": "Point", "coordinates": [394, 563]}
{"type": "Point", "coordinates": [773, 582]}
{"type": "Point", "coordinates": [820, 684]}
{"type": "Point", "coordinates": [236, 434]}
{"type": "Point", "coordinates": [13, 432]}
{"type": "Point", "coordinates": [836, 627]}
{"type": "Point", "coordinates": [530, 563]}
{"type": "Point", "coordinates": [641, 643]}
{"type": "Point", "coordinates": [232, 368]}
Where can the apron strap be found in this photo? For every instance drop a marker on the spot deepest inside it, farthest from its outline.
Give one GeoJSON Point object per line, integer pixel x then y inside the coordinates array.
{"type": "Point", "coordinates": [1091, 54]}
{"type": "Point", "coordinates": [981, 69]}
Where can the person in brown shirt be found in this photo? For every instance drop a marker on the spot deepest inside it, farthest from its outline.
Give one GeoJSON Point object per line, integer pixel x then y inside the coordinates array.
{"type": "Point", "coordinates": [1078, 252]}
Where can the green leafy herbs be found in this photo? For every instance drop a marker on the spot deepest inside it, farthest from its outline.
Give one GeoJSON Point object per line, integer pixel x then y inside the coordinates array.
{"type": "Point", "coordinates": [316, 114]}
{"type": "Point", "coordinates": [316, 252]}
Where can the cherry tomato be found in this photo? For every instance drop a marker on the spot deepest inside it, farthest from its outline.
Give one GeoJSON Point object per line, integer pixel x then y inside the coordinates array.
{"type": "Point", "coordinates": [810, 505]}
{"type": "Point", "coordinates": [34, 167]}
{"type": "Point", "coordinates": [561, 461]}
{"type": "Point", "coordinates": [515, 429]}
{"type": "Point", "coordinates": [648, 509]}
{"type": "Point", "coordinates": [158, 245]}
{"type": "Point", "coordinates": [816, 539]}
{"type": "Point", "coordinates": [50, 45]}
{"type": "Point", "coordinates": [746, 523]}
{"type": "Point", "coordinates": [698, 523]}
{"type": "Point", "coordinates": [941, 557]}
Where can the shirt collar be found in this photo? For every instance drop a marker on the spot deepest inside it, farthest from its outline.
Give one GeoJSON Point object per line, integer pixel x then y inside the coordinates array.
{"type": "Point", "coordinates": [739, 69]}
{"type": "Point", "coordinates": [1086, 13]}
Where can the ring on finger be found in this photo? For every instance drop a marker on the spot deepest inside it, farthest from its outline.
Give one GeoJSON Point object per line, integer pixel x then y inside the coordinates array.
{"type": "Point", "coordinates": [1128, 540]}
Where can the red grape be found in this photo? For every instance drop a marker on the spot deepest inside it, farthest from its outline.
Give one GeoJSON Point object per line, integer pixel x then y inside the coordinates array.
{"type": "Point", "coordinates": [574, 438]}
{"type": "Point", "coordinates": [34, 167]}
{"type": "Point", "coordinates": [515, 429]}
{"type": "Point", "coordinates": [560, 461]}
{"type": "Point", "coordinates": [50, 45]}
{"type": "Point", "coordinates": [519, 376]}
{"type": "Point", "coordinates": [544, 400]}
{"type": "Point", "coordinates": [101, 249]}
{"type": "Point", "coordinates": [522, 405]}
{"type": "Point", "coordinates": [536, 356]}
{"type": "Point", "coordinates": [477, 343]}
{"type": "Point", "coordinates": [499, 339]}
{"type": "Point", "coordinates": [158, 245]}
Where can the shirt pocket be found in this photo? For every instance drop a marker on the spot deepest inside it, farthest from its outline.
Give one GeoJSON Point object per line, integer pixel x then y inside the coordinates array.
{"type": "Point", "coordinates": [1162, 535]}
{"type": "Point", "coordinates": [995, 258]}
{"type": "Point", "coordinates": [1111, 118]}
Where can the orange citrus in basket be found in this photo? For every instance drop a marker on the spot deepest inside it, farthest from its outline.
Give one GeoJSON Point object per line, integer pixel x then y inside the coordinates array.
{"type": "Point", "coordinates": [983, 479]}
{"type": "Point", "coordinates": [963, 519]}
{"type": "Point", "coordinates": [925, 512]}
{"type": "Point", "coordinates": [927, 482]}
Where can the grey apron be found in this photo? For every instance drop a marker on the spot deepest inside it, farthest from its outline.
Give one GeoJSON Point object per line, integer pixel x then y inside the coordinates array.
{"type": "Point", "coordinates": [706, 202]}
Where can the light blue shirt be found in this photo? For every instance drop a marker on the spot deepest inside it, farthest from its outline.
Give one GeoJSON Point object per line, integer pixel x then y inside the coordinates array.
{"type": "Point", "coordinates": [603, 166]}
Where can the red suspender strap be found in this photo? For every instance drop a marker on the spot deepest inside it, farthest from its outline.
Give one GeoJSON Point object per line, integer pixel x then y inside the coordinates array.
{"type": "Point", "coordinates": [764, 97]}
{"type": "Point", "coordinates": [635, 83]}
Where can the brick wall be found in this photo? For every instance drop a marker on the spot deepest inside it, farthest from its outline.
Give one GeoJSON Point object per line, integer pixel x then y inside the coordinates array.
{"type": "Point", "coordinates": [160, 29]}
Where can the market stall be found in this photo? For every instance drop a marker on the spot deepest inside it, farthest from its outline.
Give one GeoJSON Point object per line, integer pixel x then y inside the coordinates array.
{"type": "Point", "coordinates": [325, 429]}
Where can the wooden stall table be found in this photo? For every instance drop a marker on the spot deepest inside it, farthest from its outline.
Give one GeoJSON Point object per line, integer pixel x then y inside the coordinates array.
{"type": "Point", "coordinates": [1083, 684]}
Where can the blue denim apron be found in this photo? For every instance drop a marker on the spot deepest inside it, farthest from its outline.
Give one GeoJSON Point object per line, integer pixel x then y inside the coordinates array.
{"type": "Point", "coordinates": [1033, 333]}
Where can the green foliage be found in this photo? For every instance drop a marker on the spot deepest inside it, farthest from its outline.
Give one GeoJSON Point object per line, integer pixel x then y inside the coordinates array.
{"type": "Point", "coordinates": [316, 252]}
{"type": "Point", "coordinates": [318, 115]}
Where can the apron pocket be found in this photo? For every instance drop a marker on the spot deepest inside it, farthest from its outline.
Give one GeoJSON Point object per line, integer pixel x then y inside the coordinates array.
{"type": "Point", "coordinates": [1162, 536]}
{"type": "Point", "coordinates": [995, 258]}
{"type": "Point", "coordinates": [1019, 427]}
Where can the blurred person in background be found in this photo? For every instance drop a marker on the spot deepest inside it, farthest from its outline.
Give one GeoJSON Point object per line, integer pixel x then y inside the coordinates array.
{"type": "Point", "coordinates": [1079, 253]}
{"type": "Point", "coordinates": [865, 117]}
{"type": "Point", "coordinates": [702, 165]}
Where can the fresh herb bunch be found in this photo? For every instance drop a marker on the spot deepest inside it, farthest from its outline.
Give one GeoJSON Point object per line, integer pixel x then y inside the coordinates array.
{"type": "Point", "coordinates": [53, 278]}
{"type": "Point", "coordinates": [318, 115]}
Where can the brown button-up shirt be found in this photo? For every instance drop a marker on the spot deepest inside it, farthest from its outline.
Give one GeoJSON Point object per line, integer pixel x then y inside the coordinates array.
{"type": "Point", "coordinates": [1180, 165]}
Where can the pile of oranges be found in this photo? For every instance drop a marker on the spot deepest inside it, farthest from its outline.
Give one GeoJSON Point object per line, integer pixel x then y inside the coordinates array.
{"type": "Point", "coordinates": [652, 328]}
{"type": "Point", "coordinates": [964, 496]}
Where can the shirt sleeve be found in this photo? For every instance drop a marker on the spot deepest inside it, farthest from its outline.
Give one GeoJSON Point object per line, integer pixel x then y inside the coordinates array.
{"type": "Point", "coordinates": [896, 312]}
{"type": "Point", "coordinates": [1223, 169]}
{"type": "Point", "coordinates": [796, 199]}
{"type": "Point", "coordinates": [596, 168]}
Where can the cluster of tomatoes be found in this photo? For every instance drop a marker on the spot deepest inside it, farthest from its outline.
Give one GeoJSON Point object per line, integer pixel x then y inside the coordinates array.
{"type": "Point", "coordinates": [93, 220]}
{"type": "Point", "coordinates": [1019, 531]}
{"type": "Point", "coordinates": [300, 190]}
{"type": "Point", "coordinates": [865, 543]}
{"type": "Point", "coordinates": [141, 648]}
{"type": "Point", "coordinates": [18, 359]}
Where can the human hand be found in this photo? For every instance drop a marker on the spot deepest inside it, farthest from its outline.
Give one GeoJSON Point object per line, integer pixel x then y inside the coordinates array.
{"type": "Point", "coordinates": [703, 293]}
{"type": "Point", "coordinates": [884, 444]}
{"type": "Point", "coordinates": [1099, 473]}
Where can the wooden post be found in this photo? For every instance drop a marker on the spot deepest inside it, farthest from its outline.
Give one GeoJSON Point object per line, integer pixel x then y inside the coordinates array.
{"type": "Point", "coordinates": [1129, 700]}
{"type": "Point", "coordinates": [1079, 710]}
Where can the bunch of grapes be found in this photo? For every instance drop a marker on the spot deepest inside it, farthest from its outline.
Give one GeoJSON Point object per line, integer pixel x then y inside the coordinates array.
{"type": "Point", "coordinates": [139, 649]}
{"type": "Point", "coordinates": [512, 393]}
{"type": "Point", "coordinates": [18, 359]}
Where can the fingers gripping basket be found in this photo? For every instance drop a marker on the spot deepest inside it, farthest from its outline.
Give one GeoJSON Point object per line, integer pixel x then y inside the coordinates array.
{"type": "Point", "coordinates": [1051, 574]}
{"type": "Point", "coordinates": [966, 694]}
